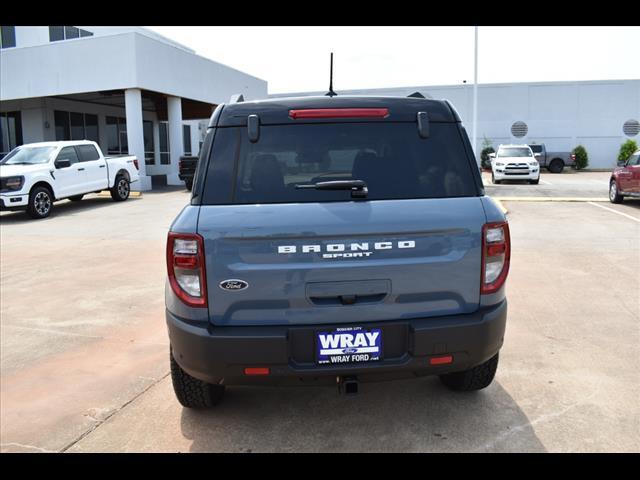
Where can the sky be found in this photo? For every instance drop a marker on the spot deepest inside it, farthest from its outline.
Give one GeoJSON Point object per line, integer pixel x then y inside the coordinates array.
{"type": "Point", "coordinates": [296, 59]}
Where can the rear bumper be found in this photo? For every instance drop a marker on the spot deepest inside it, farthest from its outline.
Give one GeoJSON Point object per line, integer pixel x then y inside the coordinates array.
{"type": "Point", "coordinates": [220, 354]}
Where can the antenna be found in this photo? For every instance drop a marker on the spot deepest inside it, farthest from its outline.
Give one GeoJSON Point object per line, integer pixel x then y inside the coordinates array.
{"type": "Point", "coordinates": [331, 93]}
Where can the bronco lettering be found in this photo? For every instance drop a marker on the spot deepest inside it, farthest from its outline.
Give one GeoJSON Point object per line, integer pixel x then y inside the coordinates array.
{"type": "Point", "coordinates": [361, 249]}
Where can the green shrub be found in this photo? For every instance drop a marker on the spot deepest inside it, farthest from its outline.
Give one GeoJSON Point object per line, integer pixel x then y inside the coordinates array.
{"type": "Point", "coordinates": [487, 148]}
{"type": "Point", "coordinates": [582, 158]}
{"type": "Point", "coordinates": [485, 161]}
{"type": "Point", "coordinates": [627, 149]}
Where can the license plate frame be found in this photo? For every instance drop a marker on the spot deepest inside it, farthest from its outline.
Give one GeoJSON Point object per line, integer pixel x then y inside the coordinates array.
{"type": "Point", "coordinates": [348, 345]}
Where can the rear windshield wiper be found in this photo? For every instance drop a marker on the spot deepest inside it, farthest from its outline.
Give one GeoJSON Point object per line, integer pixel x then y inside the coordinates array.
{"type": "Point", "coordinates": [358, 187]}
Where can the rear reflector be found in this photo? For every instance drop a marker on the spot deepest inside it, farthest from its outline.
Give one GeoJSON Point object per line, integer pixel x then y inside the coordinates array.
{"type": "Point", "coordinates": [340, 113]}
{"type": "Point", "coordinates": [441, 360]}
{"type": "Point", "coordinates": [256, 371]}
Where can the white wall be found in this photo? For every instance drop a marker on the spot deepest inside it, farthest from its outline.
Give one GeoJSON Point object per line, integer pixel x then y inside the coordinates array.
{"type": "Point", "coordinates": [119, 61]}
{"type": "Point", "coordinates": [30, 36]}
{"type": "Point", "coordinates": [559, 114]}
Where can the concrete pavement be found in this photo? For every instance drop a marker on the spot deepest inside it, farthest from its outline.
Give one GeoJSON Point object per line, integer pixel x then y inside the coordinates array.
{"type": "Point", "coordinates": [85, 353]}
{"type": "Point", "coordinates": [569, 184]}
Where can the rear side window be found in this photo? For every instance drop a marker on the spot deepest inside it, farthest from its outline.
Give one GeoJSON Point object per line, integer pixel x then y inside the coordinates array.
{"type": "Point", "coordinates": [391, 158]}
{"type": "Point", "coordinates": [87, 153]}
{"type": "Point", "coordinates": [536, 148]}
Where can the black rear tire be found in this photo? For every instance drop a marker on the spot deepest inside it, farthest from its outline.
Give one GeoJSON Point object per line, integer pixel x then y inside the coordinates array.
{"type": "Point", "coordinates": [556, 166]}
{"type": "Point", "coordinates": [191, 392]}
{"type": "Point", "coordinates": [76, 198]}
{"type": "Point", "coordinates": [475, 378]}
{"type": "Point", "coordinates": [121, 189]}
{"type": "Point", "coordinates": [40, 203]}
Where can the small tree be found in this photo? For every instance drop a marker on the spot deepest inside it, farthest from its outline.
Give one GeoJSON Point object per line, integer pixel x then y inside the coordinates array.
{"type": "Point", "coordinates": [627, 149]}
{"type": "Point", "coordinates": [582, 158]}
{"type": "Point", "coordinates": [487, 148]}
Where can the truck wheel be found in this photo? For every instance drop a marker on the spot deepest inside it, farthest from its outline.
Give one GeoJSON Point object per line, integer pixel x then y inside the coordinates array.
{"type": "Point", "coordinates": [191, 392]}
{"type": "Point", "coordinates": [40, 203]}
{"type": "Point", "coordinates": [614, 195]}
{"type": "Point", "coordinates": [188, 184]}
{"type": "Point", "coordinates": [556, 166]}
{"type": "Point", "coordinates": [535, 182]}
{"type": "Point", "coordinates": [120, 190]}
{"type": "Point", "coordinates": [493, 179]}
{"type": "Point", "coordinates": [76, 198]}
{"type": "Point", "coordinates": [475, 378]}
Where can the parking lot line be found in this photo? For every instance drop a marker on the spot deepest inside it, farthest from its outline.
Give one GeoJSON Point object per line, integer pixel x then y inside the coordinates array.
{"type": "Point", "coordinates": [615, 211]}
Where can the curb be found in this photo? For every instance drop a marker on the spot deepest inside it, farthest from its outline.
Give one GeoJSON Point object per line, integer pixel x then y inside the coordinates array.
{"type": "Point", "coordinates": [552, 199]}
{"type": "Point", "coordinates": [108, 194]}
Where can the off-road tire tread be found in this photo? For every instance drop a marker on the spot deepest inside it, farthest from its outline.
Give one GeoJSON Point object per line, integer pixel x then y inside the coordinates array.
{"type": "Point", "coordinates": [475, 378]}
{"type": "Point", "coordinates": [191, 392]}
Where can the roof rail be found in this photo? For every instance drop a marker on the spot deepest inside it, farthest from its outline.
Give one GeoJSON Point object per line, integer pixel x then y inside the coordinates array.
{"type": "Point", "coordinates": [237, 98]}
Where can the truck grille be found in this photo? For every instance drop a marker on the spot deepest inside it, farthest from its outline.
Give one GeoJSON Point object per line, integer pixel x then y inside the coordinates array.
{"type": "Point", "coordinates": [516, 169]}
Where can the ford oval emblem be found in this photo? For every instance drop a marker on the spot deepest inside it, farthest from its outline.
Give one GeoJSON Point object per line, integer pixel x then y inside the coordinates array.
{"type": "Point", "coordinates": [349, 350]}
{"type": "Point", "coordinates": [233, 284]}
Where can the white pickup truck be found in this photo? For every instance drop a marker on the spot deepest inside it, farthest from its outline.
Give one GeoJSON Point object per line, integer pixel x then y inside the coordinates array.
{"type": "Point", "coordinates": [34, 175]}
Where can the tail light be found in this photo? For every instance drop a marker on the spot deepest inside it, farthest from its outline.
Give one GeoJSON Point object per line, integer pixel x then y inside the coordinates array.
{"type": "Point", "coordinates": [135, 162]}
{"type": "Point", "coordinates": [186, 268]}
{"type": "Point", "coordinates": [496, 253]}
{"type": "Point", "coordinates": [573, 156]}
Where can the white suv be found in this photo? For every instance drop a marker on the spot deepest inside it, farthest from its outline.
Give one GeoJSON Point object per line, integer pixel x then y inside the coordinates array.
{"type": "Point", "coordinates": [514, 162]}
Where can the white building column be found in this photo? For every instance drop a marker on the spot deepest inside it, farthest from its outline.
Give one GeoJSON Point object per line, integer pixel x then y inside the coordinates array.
{"type": "Point", "coordinates": [135, 136]}
{"type": "Point", "coordinates": [176, 146]}
{"type": "Point", "coordinates": [156, 144]}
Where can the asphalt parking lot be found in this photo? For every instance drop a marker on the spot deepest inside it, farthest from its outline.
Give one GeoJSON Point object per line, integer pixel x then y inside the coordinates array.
{"type": "Point", "coordinates": [84, 351]}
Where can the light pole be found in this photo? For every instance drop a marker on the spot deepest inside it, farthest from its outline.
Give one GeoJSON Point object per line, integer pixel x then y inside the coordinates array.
{"type": "Point", "coordinates": [475, 94]}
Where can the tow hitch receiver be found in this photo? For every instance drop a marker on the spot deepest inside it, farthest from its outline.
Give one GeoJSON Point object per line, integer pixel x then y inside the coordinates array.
{"type": "Point", "coordinates": [347, 385]}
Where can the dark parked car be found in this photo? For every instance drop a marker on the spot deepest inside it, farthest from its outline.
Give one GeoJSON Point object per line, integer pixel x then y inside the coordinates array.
{"type": "Point", "coordinates": [187, 169]}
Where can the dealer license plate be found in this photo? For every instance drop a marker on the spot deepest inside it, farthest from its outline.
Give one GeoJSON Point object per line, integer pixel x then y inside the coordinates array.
{"type": "Point", "coordinates": [349, 345]}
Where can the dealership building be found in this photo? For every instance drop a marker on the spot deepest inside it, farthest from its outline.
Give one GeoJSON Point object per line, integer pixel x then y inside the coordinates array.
{"type": "Point", "coordinates": [134, 91]}
{"type": "Point", "coordinates": [600, 115]}
{"type": "Point", "coordinates": [129, 89]}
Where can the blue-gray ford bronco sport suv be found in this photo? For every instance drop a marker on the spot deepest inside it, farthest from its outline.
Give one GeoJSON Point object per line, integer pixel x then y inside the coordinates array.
{"type": "Point", "coordinates": [335, 240]}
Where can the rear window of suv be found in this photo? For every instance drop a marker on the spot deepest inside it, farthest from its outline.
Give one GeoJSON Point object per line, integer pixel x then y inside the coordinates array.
{"type": "Point", "coordinates": [390, 158]}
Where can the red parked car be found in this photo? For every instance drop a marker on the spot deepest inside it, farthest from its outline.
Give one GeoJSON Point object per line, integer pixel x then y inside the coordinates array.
{"type": "Point", "coordinates": [625, 179]}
